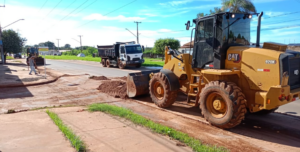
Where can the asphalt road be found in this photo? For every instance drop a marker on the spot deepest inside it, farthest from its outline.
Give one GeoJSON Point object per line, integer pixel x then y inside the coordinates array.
{"type": "Point", "coordinates": [94, 68]}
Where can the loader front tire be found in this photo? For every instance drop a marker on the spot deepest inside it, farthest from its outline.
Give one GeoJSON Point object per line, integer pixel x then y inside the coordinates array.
{"type": "Point", "coordinates": [160, 91]}
{"type": "Point", "coordinates": [223, 104]}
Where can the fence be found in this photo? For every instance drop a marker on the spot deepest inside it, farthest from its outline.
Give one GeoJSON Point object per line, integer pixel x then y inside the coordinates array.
{"type": "Point", "coordinates": [148, 55]}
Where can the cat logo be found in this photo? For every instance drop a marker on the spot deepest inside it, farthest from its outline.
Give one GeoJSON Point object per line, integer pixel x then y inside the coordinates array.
{"type": "Point", "coordinates": [236, 58]}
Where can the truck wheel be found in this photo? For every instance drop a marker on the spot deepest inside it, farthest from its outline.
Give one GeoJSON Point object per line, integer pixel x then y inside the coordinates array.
{"type": "Point", "coordinates": [265, 112]}
{"type": "Point", "coordinates": [160, 91]}
{"type": "Point", "coordinates": [138, 65]}
{"type": "Point", "coordinates": [103, 62]}
{"type": "Point", "coordinates": [223, 104]}
{"type": "Point", "coordinates": [107, 63]}
{"type": "Point", "coordinates": [121, 65]}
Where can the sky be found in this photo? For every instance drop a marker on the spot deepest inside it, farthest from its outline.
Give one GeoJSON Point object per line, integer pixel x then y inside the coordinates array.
{"type": "Point", "coordinates": [105, 22]}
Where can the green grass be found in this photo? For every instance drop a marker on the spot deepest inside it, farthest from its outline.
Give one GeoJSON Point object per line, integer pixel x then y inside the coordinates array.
{"type": "Point", "coordinates": [9, 57]}
{"type": "Point", "coordinates": [195, 144]}
{"type": "Point", "coordinates": [153, 62]}
{"type": "Point", "coordinates": [148, 61]}
{"type": "Point", "coordinates": [75, 140]}
{"type": "Point", "coordinates": [64, 57]}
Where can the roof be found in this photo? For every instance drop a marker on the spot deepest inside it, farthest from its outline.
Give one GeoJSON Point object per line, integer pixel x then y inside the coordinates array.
{"type": "Point", "coordinates": [188, 45]}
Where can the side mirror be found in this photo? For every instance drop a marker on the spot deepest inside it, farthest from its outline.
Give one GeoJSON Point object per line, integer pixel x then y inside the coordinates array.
{"type": "Point", "coordinates": [143, 48]}
{"type": "Point", "coordinates": [188, 25]}
{"type": "Point", "coordinates": [170, 53]}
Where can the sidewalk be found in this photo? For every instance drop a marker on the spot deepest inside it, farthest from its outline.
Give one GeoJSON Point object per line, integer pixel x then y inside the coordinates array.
{"type": "Point", "coordinates": [16, 73]}
{"type": "Point", "coordinates": [31, 131]}
{"type": "Point", "coordinates": [35, 131]}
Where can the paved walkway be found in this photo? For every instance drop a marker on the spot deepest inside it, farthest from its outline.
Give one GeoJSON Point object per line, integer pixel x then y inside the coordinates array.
{"type": "Point", "coordinates": [31, 131]}
{"type": "Point", "coordinates": [34, 131]}
{"type": "Point", "coordinates": [102, 132]}
{"type": "Point", "coordinates": [17, 73]}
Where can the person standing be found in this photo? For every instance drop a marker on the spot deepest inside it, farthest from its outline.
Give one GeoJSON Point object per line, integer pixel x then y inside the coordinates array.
{"type": "Point", "coordinates": [31, 64]}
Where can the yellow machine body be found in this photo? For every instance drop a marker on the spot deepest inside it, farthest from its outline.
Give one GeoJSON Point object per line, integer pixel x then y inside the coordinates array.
{"type": "Point", "coordinates": [255, 70]}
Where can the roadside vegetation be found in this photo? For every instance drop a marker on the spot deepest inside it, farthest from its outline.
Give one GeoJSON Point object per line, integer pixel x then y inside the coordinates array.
{"type": "Point", "coordinates": [75, 140]}
{"type": "Point", "coordinates": [148, 61]}
{"type": "Point", "coordinates": [9, 58]}
{"type": "Point", "coordinates": [195, 144]}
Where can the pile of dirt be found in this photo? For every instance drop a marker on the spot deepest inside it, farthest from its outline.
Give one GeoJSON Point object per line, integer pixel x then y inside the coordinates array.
{"type": "Point", "coordinates": [115, 88]}
{"type": "Point", "coordinates": [99, 78]}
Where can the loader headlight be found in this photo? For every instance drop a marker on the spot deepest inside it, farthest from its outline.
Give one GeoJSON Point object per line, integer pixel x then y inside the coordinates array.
{"type": "Point", "coordinates": [232, 15]}
{"type": "Point", "coordinates": [250, 16]}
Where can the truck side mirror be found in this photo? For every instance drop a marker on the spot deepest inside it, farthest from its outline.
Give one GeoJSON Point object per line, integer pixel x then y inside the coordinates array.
{"type": "Point", "coordinates": [188, 25]}
{"type": "Point", "coordinates": [143, 48]}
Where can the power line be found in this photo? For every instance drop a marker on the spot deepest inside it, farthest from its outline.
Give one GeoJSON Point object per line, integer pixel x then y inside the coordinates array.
{"type": "Point", "coordinates": [130, 32]}
{"type": "Point", "coordinates": [86, 7]}
{"type": "Point", "coordinates": [271, 23]}
{"type": "Point", "coordinates": [53, 8]}
{"type": "Point", "coordinates": [67, 15]}
{"type": "Point", "coordinates": [108, 13]}
{"type": "Point", "coordinates": [41, 7]}
{"type": "Point", "coordinates": [282, 15]}
{"type": "Point", "coordinates": [68, 6]}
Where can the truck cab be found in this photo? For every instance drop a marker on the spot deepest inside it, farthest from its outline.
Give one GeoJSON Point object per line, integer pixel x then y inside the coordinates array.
{"type": "Point", "coordinates": [131, 54]}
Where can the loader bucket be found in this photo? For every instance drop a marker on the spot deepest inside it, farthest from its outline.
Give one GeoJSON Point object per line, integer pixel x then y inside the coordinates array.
{"type": "Point", "coordinates": [138, 83]}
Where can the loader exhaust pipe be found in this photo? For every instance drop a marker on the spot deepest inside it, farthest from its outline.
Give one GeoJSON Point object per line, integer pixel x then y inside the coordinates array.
{"type": "Point", "coordinates": [258, 29]}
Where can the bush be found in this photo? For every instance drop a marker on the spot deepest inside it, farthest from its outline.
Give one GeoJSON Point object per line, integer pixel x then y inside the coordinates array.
{"type": "Point", "coordinates": [88, 52]}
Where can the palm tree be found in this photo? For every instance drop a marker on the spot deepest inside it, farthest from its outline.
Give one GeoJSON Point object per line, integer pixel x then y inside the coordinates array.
{"type": "Point", "coordinates": [238, 6]}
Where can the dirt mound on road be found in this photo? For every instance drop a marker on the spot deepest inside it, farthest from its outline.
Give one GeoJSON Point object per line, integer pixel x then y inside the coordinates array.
{"type": "Point", "coordinates": [115, 88]}
{"type": "Point", "coordinates": [99, 78]}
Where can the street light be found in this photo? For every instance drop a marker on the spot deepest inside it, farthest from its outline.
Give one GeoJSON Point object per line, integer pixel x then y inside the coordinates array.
{"type": "Point", "coordinates": [12, 23]}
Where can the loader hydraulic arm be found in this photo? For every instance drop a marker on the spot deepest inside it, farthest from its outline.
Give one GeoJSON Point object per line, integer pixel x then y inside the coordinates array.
{"type": "Point", "coordinates": [168, 53]}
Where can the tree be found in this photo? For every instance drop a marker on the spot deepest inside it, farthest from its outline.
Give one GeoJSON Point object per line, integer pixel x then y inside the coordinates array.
{"type": "Point", "coordinates": [50, 45]}
{"type": "Point", "coordinates": [67, 46]}
{"type": "Point", "coordinates": [216, 10]}
{"type": "Point", "coordinates": [12, 42]}
{"type": "Point", "coordinates": [238, 6]}
{"type": "Point", "coordinates": [160, 44]}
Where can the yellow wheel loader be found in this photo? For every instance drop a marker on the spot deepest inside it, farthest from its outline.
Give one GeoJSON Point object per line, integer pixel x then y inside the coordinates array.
{"type": "Point", "coordinates": [226, 74]}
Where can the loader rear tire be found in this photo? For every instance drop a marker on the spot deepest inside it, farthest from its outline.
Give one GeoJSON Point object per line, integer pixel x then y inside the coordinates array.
{"type": "Point", "coordinates": [160, 91]}
{"type": "Point", "coordinates": [103, 62]}
{"type": "Point", "coordinates": [223, 104]}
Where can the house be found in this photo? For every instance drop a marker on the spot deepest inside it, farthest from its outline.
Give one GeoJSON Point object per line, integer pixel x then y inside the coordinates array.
{"type": "Point", "coordinates": [187, 48]}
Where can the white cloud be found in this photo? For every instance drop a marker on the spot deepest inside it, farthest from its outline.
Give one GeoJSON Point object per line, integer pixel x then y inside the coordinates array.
{"type": "Point", "coordinates": [270, 13]}
{"type": "Point", "coordinates": [120, 18]}
{"type": "Point", "coordinates": [175, 14]}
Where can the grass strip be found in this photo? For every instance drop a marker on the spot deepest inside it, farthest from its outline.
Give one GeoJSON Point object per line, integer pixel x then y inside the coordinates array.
{"type": "Point", "coordinates": [195, 144]}
{"type": "Point", "coordinates": [75, 140]}
{"type": "Point", "coordinates": [65, 57]}
{"type": "Point", "coordinates": [148, 61]}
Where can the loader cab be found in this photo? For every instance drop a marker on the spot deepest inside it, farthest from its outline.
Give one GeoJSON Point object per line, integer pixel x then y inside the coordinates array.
{"type": "Point", "coordinates": [214, 34]}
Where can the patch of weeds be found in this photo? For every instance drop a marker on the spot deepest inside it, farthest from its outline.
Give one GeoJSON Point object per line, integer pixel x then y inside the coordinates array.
{"type": "Point", "coordinates": [11, 111]}
{"type": "Point", "coordinates": [195, 144]}
{"type": "Point", "coordinates": [75, 140]}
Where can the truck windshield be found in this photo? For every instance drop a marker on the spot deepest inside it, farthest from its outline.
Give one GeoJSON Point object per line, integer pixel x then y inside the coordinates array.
{"type": "Point", "coordinates": [133, 49]}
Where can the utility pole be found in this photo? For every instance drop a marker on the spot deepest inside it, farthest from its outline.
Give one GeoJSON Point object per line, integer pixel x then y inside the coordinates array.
{"type": "Point", "coordinates": [137, 31]}
{"type": "Point", "coordinates": [1, 43]}
{"type": "Point", "coordinates": [80, 42]}
{"type": "Point", "coordinates": [58, 44]}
